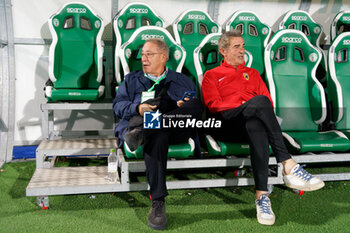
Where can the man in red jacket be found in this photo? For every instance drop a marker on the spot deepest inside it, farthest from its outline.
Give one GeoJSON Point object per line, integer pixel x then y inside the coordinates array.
{"type": "Point", "coordinates": [238, 95]}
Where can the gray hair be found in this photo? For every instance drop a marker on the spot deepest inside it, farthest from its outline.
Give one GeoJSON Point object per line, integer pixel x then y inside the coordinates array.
{"type": "Point", "coordinates": [161, 45]}
{"type": "Point", "coordinates": [224, 40]}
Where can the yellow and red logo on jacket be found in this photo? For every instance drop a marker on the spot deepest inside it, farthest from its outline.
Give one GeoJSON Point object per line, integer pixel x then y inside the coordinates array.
{"type": "Point", "coordinates": [246, 76]}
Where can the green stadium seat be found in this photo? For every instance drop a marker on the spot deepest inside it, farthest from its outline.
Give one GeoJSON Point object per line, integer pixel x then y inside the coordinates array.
{"type": "Point", "coordinates": [131, 61]}
{"type": "Point", "coordinates": [183, 150]}
{"type": "Point", "coordinates": [75, 56]}
{"type": "Point", "coordinates": [206, 56]}
{"type": "Point", "coordinates": [190, 28]}
{"type": "Point", "coordinates": [302, 21]}
{"type": "Point", "coordinates": [221, 148]}
{"type": "Point", "coordinates": [255, 35]}
{"type": "Point", "coordinates": [133, 16]}
{"type": "Point", "coordinates": [131, 50]}
{"type": "Point", "coordinates": [339, 82]}
{"type": "Point", "coordinates": [291, 62]}
{"type": "Point", "coordinates": [340, 24]}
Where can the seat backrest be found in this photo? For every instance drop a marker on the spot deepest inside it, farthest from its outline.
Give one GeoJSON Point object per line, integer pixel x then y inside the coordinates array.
{"type": "Point", "coordinates": [133, 16]}
{"type": "Point", "coordinates": [75, 56]}
{"type": "Point", "coordinates": [302, 21]}
{"type": "Point", "coordinates": [131, 50]}
{"type": "Point", "coordinates": [190, 28]}
{"type": "Point", "coordinates": [338, 84]}
{"type": "Point", "coordinates": [291, 62]}
{"type": "Point", "coordinates": [207, 56]}
{"type": "Point", "coordinates": [340, 24]}
{"type": "Point", "coordinates": [255, 35]}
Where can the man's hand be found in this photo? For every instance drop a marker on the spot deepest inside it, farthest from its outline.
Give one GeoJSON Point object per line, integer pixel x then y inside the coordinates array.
{"type": "Point", "coordinates": [146, 108]}
{"type": "Point", "coordinates": [181, 102]}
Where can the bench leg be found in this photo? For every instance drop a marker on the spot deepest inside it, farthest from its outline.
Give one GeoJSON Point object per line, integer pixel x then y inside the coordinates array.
{"type": "Point", "coordinates": [43, 202]}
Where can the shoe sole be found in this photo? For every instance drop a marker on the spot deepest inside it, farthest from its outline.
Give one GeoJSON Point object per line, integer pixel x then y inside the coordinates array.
{"type": "Point", "coordinates": [266, 222]}
{"type": "Point", "coordinates": [157, 227]}
{"type": "Point", "coordinates": [313, 188]}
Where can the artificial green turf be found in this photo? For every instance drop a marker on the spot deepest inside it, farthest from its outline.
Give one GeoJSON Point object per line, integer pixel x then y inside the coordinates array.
{"type": "Point", "coordinates": [199, 210]}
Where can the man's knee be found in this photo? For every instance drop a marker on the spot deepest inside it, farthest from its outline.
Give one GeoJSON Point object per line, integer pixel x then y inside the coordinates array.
{"type": "Point", "coordinates": [261, 101]}
{"type": "Point", "coordinates": [256, 105]}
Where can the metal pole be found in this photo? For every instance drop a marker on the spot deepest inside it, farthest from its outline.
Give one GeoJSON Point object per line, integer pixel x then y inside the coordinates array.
{"type": "Point", "coordinates": [213, 9]}
{"type": "Point", "coordinates": [115, 9]}
{"type": "Point", "coordinates": [7, 109]}
{"type": "Point", "coordinates": [305, 5]}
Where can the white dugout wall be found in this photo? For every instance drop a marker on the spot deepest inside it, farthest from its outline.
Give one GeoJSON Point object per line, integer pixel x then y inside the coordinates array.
{"type": "Point", "coordinates": [31, 40]}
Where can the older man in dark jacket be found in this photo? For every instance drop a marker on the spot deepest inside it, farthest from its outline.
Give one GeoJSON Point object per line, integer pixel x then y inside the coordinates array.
{"type": "Point", "coordinates": [133, 100]}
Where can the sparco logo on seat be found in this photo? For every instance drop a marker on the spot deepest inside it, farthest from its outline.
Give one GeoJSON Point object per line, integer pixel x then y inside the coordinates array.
{"type": "Point", "coordinates": [76, 10]}
{"type": "Point", "coordinates": [300, 18]}
{"type": "Point", "coordinates": [148, 36]}
{"type": "Point", "coordinates": [291, 39]}
{"type": "Point", "coordinates": [139, 10]}
{"type": "Point", "coordinates": [196, 17]}
{"type": "Point", "coordinates": [214, 42]}
{"type": "Point", "coordinates": [346, 42]}
{"type": "Point", "coordinates": [247, 18]}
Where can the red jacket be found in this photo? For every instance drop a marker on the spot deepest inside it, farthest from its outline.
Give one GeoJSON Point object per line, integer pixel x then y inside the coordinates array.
{"type": "Point", "coordinates": [225, 87]}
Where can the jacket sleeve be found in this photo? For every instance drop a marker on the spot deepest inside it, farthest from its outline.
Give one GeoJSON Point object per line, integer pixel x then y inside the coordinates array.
{"type": "Point", "coordinates": [179, 86]}
{"type": "Point", "coordinates": [125, 103]}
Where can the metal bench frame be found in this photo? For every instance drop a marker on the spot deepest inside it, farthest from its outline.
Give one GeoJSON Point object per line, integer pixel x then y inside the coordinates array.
{"type": "Point", "coordinates": [48, 180]}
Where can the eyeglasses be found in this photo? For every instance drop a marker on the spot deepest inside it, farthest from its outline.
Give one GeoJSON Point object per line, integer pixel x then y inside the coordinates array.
{"type": "Point", "coordinates": [148, 55]}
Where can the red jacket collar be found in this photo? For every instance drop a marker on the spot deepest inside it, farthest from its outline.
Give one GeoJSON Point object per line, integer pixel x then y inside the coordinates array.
{"type": "Point", "coordinates": [224, 63]}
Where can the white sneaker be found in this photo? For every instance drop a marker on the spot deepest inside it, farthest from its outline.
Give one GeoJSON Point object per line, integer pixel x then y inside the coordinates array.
{"type": "Point", "coordinates": [264, 212]}
{"type": "Point", "coordinates": [301, 179]}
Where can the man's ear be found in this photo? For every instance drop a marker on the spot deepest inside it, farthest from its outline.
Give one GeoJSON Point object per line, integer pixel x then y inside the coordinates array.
{"type": "Point", "coordinates": [164, 58]}
{"type": "Point", "coordinates": [222, 52]}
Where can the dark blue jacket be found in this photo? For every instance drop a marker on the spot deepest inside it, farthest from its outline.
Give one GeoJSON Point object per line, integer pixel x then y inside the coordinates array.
{"type": "Point", "coordinates": [129, 95]}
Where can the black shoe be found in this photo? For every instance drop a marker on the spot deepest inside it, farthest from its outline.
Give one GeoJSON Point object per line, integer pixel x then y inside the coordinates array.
{"type": "Point", "coordinates": [157, 216]}
{"type": "Point", "coordinates": [134, 138]}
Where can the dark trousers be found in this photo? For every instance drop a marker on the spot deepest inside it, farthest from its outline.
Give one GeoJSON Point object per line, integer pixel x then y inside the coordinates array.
{"type": "Point", "coordinates": [156, 144]}
{"type": "Point", "coordinates": [256, 122]}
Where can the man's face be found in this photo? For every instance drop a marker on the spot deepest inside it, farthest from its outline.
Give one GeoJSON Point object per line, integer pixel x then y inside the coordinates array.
{"type": "Point", "coordinates": [234, 53]}
{"type": "Point", "coordinates": [153, 60]}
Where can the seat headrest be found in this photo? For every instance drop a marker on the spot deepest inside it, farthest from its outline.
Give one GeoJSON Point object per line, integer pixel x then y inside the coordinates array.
{"type": "Point", "coordinates": [302, 21]}
{"type": "Point", "coordinates": [192, 26]}
{"type": "Point", "coordinates": [133, 16]}
{"type": "Point", "coordinates": [340, 24]}
{"type": "Point", "coordinates": [131, 50]}
{"type": "Point", "coordinates": [250, 26]}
